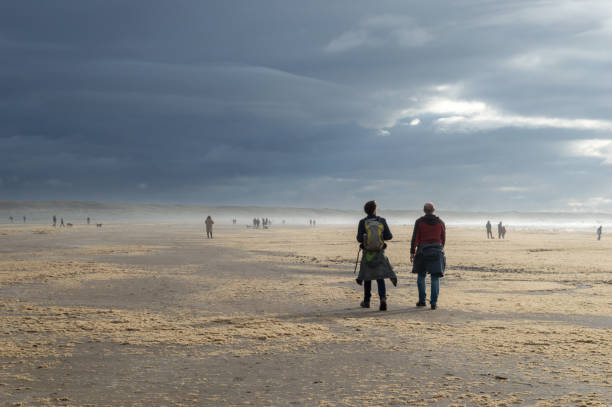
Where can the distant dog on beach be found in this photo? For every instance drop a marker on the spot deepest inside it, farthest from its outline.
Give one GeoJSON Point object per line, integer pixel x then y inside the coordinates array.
{"type": "Point", "coordinates": [69, 225]}
{"type": "Point", "coordinates": [98, 225]}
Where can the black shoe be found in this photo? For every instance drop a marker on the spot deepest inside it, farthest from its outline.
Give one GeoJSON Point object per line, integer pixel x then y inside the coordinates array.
{"type": "Point", "coordinates": [420, 304]}
{"type": "Point", "coordinates": [383, 304]}
{"type": "Point", "coordinates": [365, 304]}
{"type": "Point", "coordinates": [433, 306]}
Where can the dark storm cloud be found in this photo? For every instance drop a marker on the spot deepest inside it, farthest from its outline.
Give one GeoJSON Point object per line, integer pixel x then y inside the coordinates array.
{"type": "Point", "coordinates": [474, 105]}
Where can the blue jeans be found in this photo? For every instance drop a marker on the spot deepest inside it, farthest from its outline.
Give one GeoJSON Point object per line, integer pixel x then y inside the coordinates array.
{"type": "Point", "coordinates": [367, 289]}
{"type": "Point", "coordinates": [435, 287]}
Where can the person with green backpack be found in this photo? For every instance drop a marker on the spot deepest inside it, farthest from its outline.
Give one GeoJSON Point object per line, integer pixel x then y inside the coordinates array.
{"type": "Point", "coordinates": [371, 234]}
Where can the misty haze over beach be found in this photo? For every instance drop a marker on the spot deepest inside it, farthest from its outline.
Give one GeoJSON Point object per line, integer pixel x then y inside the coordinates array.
{"type": "Point", "coordinates": [76, 212]}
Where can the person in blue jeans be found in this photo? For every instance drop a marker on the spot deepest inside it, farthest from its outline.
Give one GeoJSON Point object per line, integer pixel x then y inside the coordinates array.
{"type": "Point", "coordinates": [435, 289]}
{"type": "Point", "coordinates": [427, 254]}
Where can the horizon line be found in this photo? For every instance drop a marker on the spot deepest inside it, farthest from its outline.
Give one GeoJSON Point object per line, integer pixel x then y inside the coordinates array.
{"type": "Point", "coordinates": [6, 201]}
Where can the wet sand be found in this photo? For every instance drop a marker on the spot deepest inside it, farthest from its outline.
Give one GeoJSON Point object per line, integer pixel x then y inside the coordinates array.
{"type": "Point", "coordinates": [157, 315]}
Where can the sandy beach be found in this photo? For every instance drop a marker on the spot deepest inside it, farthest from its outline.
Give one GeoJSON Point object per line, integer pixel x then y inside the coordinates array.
{"type": "Point", "coordinates": [158, 315]}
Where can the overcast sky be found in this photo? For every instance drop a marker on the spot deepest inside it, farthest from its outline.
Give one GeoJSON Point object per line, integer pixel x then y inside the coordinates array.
{"type": "Point", "coordinates": [475, 105]}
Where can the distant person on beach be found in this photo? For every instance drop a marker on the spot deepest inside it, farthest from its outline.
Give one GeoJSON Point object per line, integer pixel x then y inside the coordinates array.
{"type": "Point", "coordinates": [504, 231]}
{"type": "Point", "coordinates": [234, 221]}
{"type": "Point", "coordinates": [209, 226]}
{"type": "Point", "coordinates": [372, 232]}
{"type": "Point", "coordinates": [54, 221]}
{"type": "Point", "coordinates": [11, 219]}
{"type": "Point", "coordinates": [489, 230]}
{"type": "Point", "coordinates": [314, 222]}
{"type": "Point", "coordinates": [499, 230]}
{"type": "Point", "coordinates": [61, 222]}
{"type": "Point", "coordinates": [599, 229]}
{"type": "Point", "coordinates": [88, 220]}
{"type": "Point", "coordinates": [427, 253]}
{"type": "Point", "coordinates": [24, 219]}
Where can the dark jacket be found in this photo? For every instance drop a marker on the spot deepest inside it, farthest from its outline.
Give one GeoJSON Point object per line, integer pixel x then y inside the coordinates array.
{"type": "Point", "coordinates": [430, 258]}
{"type": "Point", "coordinates": [361, 228]}
{"type": "Point", "coordinates": [375, 265]}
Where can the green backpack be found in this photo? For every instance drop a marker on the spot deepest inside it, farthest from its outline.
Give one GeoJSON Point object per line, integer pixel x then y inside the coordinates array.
{"type": "Point", "coordinates": [373, 239]}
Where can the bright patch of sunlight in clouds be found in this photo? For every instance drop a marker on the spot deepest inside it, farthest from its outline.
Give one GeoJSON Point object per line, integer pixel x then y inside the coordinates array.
{"type": "Point", "coordinates": [474, 115]}
{"type": "Point", "coordinates": [598, 148]}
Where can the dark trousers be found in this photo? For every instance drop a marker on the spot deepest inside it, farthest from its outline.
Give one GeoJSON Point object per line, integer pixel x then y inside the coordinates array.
{"type": "Point", "coordinates": [367, 289]}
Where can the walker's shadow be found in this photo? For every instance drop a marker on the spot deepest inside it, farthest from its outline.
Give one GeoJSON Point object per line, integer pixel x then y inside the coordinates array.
{"type": "Point", "coordinates": [315, 316]}
{"type": "Point", "coordinates": [591, 321]}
